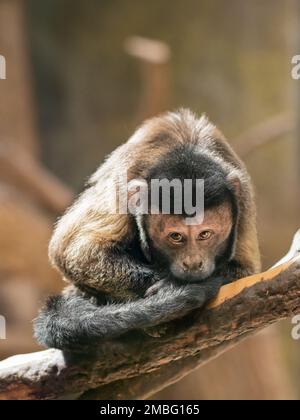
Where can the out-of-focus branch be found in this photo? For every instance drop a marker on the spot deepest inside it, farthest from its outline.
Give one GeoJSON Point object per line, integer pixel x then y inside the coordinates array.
{"type": "Point", "coordinates": [264, 133]}
{"type": "Point", "coordinates": [24, 171]}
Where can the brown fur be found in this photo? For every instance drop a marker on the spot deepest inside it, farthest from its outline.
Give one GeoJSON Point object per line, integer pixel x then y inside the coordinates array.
{"type": "Point", "coordinates": [83, 238]}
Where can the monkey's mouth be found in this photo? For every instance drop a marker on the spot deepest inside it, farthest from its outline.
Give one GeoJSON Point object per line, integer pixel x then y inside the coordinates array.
{"type": "Point", "coordinates": [191, 276]}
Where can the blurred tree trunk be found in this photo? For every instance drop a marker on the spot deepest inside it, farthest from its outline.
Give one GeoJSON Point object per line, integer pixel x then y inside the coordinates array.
{"type": "Point", "coordinates": [16, 106]}
{"type": "Point", "coordinates": [25, 227]}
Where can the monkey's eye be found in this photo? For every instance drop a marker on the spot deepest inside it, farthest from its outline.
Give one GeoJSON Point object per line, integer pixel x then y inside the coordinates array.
{"type": "Point", "coordinates": [206, 234]}
{"type": "Point", "coordinates": [176, 237]}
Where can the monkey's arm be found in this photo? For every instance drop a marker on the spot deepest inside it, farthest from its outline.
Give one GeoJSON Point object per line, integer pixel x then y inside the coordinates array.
{"type": "Point", "coordinates": [110, 270]}
{"type": "Point", "coordinates": [227, 273]}
{"type": "Point", "coordinates": [68, 321]}
{"type": "Point", "coordinates": [95, 249]}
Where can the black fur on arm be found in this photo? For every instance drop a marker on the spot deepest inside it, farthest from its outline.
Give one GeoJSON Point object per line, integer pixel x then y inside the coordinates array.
{"type": "Point", "coordinates": [69, 321]}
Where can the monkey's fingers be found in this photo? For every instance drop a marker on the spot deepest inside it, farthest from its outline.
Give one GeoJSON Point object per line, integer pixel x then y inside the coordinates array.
{"type": "Point", "coordinates": [152, 290]}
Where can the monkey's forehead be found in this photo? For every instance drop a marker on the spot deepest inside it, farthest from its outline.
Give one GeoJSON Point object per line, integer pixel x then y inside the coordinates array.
{"type": "Point", "coordinates": [218, 214]}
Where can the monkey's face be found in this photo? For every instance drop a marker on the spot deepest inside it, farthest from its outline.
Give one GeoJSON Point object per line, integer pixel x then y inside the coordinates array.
{"type": "Point", "coordinates": [190, 251]}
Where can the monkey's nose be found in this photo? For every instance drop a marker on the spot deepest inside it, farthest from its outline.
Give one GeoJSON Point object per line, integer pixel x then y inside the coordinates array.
{"type": "Point", "coordinates": [192, 267]}
{"type": "Point", "coordinates": [185, 266]}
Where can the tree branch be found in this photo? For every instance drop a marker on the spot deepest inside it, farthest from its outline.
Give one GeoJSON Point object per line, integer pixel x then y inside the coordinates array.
{"type": "Point", "coordinates": [264, 133]}
{"type": "Point", "coordinates": [137, 366]}
{"type": "Point", "coordinates": [21, 169]}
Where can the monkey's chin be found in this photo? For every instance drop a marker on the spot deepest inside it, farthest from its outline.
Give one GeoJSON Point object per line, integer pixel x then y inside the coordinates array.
{"type": "Point", "coordinates": [188, 277]}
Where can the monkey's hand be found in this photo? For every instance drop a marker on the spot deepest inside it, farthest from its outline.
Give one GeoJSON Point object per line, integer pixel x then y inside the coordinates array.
{"type": "Point", "coordinates": [193, 296]}
{"type": "Point", "coordinates": [206, 289]}
{"type": "Point", "coordinates": [144, 278]}
{"type": "Point", "coordinates": [152, 290]}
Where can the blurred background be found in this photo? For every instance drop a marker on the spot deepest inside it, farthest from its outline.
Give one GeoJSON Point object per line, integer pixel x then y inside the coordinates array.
{"type": "Point", "coordinates": [82, 75]}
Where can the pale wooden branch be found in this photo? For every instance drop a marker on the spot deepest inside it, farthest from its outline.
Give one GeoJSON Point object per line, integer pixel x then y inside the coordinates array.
{"type": "Point", "coordinates": [137, 366]}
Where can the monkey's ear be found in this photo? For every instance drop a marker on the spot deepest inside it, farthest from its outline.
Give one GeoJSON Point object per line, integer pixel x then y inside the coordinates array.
{"type": "Point", "coordinates": [234, 182]}
{"type": "Point", "coordinates": [143, 236]}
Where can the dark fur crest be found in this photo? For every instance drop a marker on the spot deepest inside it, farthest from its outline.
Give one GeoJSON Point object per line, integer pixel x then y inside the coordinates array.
{"type": "Point", "coordinates": [185, 162]}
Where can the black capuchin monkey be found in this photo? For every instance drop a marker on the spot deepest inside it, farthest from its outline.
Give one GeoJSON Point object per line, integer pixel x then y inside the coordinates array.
{"type": "Point", "coordinates": [135, 271]}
